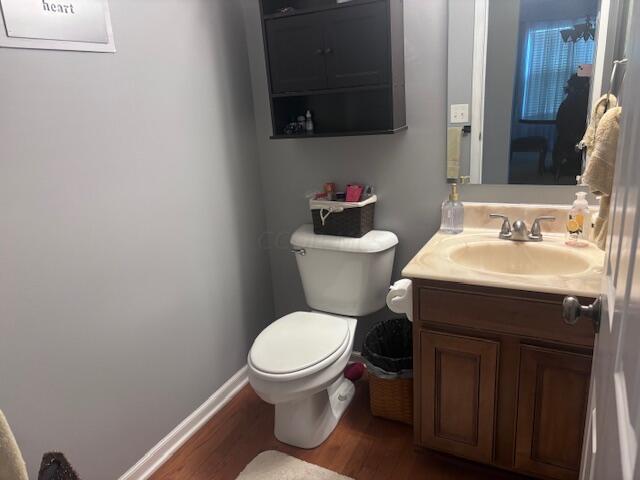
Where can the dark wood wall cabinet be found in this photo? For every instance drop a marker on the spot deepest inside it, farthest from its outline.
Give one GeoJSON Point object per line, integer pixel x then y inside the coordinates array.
{"type": "Point", "coordinates": [344, 62]}
{"type": "Point", "coordinates": [499, 378]}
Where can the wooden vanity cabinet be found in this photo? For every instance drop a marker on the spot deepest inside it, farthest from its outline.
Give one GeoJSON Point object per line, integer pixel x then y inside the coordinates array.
{"type": "Point", "coordinates": [460, 390]}
{"type": "Point", "coordinates": [552, 403]}
{"type": "Point", "coordinates": [500, 378]}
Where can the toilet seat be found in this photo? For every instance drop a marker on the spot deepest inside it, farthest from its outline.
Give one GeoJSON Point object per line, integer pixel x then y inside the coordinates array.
{"type": "Point", "coordinates": [299, 344]}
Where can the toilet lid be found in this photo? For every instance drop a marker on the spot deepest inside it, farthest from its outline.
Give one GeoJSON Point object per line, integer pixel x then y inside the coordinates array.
{"type": "Point", "coordinates": [298, 341]}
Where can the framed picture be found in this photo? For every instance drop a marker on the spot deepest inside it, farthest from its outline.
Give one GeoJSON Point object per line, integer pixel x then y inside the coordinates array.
{"type": "Point", "coordinates": [82, 25]}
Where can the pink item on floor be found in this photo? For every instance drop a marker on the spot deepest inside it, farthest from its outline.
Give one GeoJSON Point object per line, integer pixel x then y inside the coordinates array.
{"type": "Point", "coordinates": [354, 371]}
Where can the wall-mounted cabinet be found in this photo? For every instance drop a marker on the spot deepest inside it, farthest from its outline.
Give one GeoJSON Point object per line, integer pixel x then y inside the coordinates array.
{"type": "Point", "coordinates": [344, 62]}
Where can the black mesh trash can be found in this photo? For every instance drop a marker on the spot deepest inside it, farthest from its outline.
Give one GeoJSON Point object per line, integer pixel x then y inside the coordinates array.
{"type": "Point", "coordinates": [388, 353]}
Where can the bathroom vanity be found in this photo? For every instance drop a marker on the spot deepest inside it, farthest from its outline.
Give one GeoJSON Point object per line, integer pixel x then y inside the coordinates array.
{"type": "Point", "coordinates": [499, 377]}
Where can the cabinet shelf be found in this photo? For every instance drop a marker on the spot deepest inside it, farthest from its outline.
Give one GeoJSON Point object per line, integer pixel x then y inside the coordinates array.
{"type": "Point", "coordinates": [328, 91]}
{"type": "Point", "coordinates": [337, 134]}
{"type": "Point", "coordinates": [320, 8]}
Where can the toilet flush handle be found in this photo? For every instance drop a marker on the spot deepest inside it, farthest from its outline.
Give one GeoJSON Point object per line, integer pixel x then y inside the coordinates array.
{"type": "Point", "coordinates": [299, 251]}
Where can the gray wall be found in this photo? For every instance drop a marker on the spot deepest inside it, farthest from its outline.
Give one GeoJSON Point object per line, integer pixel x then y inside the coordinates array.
{"type": "Point", "coordinates": [502, 55]}
{"type": "Point", "coordinates": [132, 280]}
{"type": "Point", "coordinates": [408, 168]}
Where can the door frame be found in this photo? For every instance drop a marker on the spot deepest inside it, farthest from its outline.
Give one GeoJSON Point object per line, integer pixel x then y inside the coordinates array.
{"type": "Point", "coordinates": [480, 32]}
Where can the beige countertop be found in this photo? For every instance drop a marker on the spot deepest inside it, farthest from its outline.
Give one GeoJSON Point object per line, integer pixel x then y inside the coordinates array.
{"type": "Point", "coordinates": [478, 257]}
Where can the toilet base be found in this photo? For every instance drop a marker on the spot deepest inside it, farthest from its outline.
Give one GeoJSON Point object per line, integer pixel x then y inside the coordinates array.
{"type": "Point", "coordinates": [307, 422]}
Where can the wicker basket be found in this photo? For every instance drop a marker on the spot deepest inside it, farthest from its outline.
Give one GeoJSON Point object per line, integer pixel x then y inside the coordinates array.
{"type": "Point", "coordinates": [344, 219]}
{"type": "Point", "coordinates": [391, 398]}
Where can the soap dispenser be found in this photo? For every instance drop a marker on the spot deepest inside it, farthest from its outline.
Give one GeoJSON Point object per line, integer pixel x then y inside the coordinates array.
{"type": "Point", "coordinates": [579, 221]}
{"type": "Point", "coordinates": [452, 212]}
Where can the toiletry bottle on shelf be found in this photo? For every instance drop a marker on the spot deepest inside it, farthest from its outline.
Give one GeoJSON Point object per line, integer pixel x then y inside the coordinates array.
{"type": "Point", "coordinates": [300, 121]}
{"type": "Point", "coordinates": [452, 212]}
{"type": "Point", "coordinates": [309, 123]}
{"type": "Point", "coordinates": [330, 191]}
{"type": "Point", "coordinates": [579, 222]}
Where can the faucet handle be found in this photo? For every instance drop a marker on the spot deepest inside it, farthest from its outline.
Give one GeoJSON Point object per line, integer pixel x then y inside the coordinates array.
{"type": "Point", "coordinates": [536, 231]}
{"type": "Point", "coordinates": [505, 230]}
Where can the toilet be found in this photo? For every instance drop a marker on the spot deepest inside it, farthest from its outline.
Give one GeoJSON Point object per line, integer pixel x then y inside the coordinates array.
{"type": "Point", "coordinates": [297, 362]}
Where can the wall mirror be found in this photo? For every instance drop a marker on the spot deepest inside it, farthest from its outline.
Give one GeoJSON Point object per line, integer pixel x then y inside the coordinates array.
{"type": "Point", "coordinates": [521, 78]}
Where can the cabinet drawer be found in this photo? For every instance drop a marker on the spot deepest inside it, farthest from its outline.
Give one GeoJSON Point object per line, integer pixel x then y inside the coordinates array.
{"type": "Point", "coordinates": [520, 315]}
{"type": "Point", "coordinates": [458, 379]}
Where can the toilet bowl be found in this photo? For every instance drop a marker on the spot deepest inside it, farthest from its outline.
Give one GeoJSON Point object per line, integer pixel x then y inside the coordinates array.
{"type": "Point", "coordinates": [297, 362]}
{"type": "Point", "coordinates": [309, 390]}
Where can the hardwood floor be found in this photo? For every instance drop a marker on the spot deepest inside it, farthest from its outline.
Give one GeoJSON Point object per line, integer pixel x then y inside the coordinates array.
{"type": "Point", "coordinates": [362, 447]}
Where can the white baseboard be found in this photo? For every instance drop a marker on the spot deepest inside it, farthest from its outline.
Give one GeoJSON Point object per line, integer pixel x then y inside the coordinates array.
{"type": "Point", "coordinates": [159, 454]}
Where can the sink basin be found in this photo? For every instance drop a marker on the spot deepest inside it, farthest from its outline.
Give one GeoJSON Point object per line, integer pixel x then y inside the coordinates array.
{"type": "Point", "coordinates": [520, 258]}
{"type": "Point", "coordinates": [478, 257]}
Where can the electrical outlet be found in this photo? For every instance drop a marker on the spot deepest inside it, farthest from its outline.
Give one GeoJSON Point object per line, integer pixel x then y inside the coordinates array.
{"type": "Point", "coordinates": [460, 113]}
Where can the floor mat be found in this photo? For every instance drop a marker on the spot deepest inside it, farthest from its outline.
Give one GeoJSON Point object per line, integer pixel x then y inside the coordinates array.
{"type": "Point", "coordinates": [272, 465]}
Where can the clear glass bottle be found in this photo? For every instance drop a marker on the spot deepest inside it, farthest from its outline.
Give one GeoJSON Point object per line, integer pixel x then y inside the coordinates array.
{"type": "Point", "coordinates": [452, 212]}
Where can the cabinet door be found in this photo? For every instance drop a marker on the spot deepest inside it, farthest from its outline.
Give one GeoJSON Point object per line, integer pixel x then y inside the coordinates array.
{"type": "Point", "coordinates": [296, 53]}
{"type": "Point", "coordinates": [458, 383]}
{"type": "Point", "coordinates": [552, 404]}
{"type": "Point", "coordinates": [357, 45]}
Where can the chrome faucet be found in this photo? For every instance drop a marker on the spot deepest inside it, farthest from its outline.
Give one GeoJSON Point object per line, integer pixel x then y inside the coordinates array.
{"type": "Point", "coordinates": [519, 232]}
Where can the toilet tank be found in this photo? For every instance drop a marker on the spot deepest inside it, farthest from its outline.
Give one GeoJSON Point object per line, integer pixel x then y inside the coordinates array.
{"type": "Point", "coordinates": [343, 275]}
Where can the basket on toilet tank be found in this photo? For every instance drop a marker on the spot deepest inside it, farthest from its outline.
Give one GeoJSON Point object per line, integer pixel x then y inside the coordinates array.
{"type": "Point", "coordinates": [344, 219]}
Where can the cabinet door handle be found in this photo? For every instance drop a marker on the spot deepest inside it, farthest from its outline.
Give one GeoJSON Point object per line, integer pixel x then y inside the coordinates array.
{"type": "Point", "coordinates": [319, 51]}
{"type": "Point", "coordinates": [572, 310]}
{"type": "Point", "coordinates": [327, 51]}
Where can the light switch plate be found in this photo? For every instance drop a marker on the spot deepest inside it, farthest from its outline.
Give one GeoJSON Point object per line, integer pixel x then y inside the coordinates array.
{"type": "Point", "coordinates": [460, 113]}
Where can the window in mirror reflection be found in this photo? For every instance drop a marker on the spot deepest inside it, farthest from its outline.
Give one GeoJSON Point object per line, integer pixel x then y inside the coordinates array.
{"type": "Point", "coordinates": [551, 96]}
